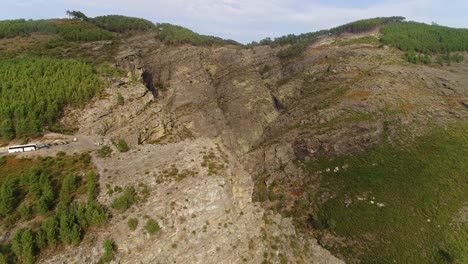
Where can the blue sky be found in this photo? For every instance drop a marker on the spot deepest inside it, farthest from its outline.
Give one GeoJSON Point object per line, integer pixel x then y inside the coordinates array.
{"type": "Point", "coordinates": [248, 20]}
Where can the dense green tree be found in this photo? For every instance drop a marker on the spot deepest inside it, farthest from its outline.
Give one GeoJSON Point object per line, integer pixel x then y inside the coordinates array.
{"type": "Point", "coordinates": [33, 92]}
{"type": "Point", "coordinates": [69, 230]}
{"type": "Point", "coordinates": [95, 214]}
{"type": "Point", "coordinates": [46, 200]}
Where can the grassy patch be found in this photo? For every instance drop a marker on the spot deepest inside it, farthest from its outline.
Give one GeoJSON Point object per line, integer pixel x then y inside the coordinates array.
{"type": "Point", "coordinates": [403, 199]}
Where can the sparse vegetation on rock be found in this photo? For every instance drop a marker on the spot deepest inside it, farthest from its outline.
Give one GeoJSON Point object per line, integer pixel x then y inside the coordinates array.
{"type": "Point", "coordinates": [151, 226]}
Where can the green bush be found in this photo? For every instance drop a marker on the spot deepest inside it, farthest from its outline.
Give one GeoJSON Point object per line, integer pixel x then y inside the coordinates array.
{"type": "Point", "coordinates": [125, 200]}
{"type": "Point", "coordinates": [25, 211]}
{"type": "Point", "coordinates": [151, 226]}
{"type": "Point", "coordinates": [104, 152]}
{"type": "Point", "coordinates": [86, 158]}
{"type": "Point", "coordinates": [120, 99]}
{"type": "Point", "coordinates": [108, 255]}
{"type": "Point", "coordinates": [122, 145]}
{"type": "Point", "coordinates": [132, 223]}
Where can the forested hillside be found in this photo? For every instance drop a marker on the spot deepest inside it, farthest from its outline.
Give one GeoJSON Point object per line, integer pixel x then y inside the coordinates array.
{"type": "Point", "coordinates": [69, 30]}
{"type": "Point", "coordinates": [34, 91]}
{"type": "Point", "coordinates": [37, 199]}
{"type": "Point", "coordinates": [419, 37]}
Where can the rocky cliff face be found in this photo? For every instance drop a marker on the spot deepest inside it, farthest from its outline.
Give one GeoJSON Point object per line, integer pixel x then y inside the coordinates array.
{"type": "Point", "coordinates": [208, 126]}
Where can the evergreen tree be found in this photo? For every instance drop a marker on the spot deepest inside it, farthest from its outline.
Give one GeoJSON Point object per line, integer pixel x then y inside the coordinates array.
{"type": "Point", "coordinates": [50, 227]}
{"type": "Point", "coordinates": [68, 187]}
{"type": "Point", "coordinates": [92, 185]}
{"type": "Point", "coordinates": [9, 196]}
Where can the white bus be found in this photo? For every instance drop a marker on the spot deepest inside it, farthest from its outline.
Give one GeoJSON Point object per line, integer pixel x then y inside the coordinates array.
{"type": "Point", "coordinates": [22, 148]}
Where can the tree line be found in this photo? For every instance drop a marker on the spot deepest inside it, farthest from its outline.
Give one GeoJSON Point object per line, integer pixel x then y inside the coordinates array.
{"type": "Point", "coordinates": [298, 43]}
{"type": "Point", "coordinates": [116, 23]}
{"type": "Point", "coordinates": [34, 91]}
{"type": "Point", "coordinates": [173, 34]}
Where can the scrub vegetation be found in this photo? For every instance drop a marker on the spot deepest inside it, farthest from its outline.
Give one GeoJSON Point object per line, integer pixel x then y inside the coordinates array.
{"type": "Point", "coordinates": [399, 203]}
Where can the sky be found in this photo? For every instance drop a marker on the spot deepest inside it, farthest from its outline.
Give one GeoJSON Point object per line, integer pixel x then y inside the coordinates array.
{"type": "Point", "coordinates": [248, 20]}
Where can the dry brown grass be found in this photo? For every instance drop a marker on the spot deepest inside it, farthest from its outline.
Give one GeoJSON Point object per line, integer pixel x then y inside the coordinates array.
{"type": "Point", "coordinates": [358, 94]}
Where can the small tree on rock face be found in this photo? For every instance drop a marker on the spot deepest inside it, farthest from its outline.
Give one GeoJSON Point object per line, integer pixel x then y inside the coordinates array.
{"type": "Point", "coordinates": [68, 187]}
{"type": "Point", "coordinates": [120, 99]}
{"type": "Point", "coordinates": [132, 223]}
{"type": "Point", "coordinates": [92, 185]}
{"type": "Point", "coordinates": [108, 255]}
{"type": "Point", "coordinates": [122, 145]}
{"type": "Point", "coordinates": [152, 227]}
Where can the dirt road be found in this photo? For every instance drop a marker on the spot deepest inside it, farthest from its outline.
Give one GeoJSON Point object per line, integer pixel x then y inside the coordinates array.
{"type": "Point", "coordinates": [82, 144]}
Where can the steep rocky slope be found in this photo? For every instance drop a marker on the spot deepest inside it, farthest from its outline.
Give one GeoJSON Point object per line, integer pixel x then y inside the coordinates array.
{"type": "Point", "coordinates": [211, 127]}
